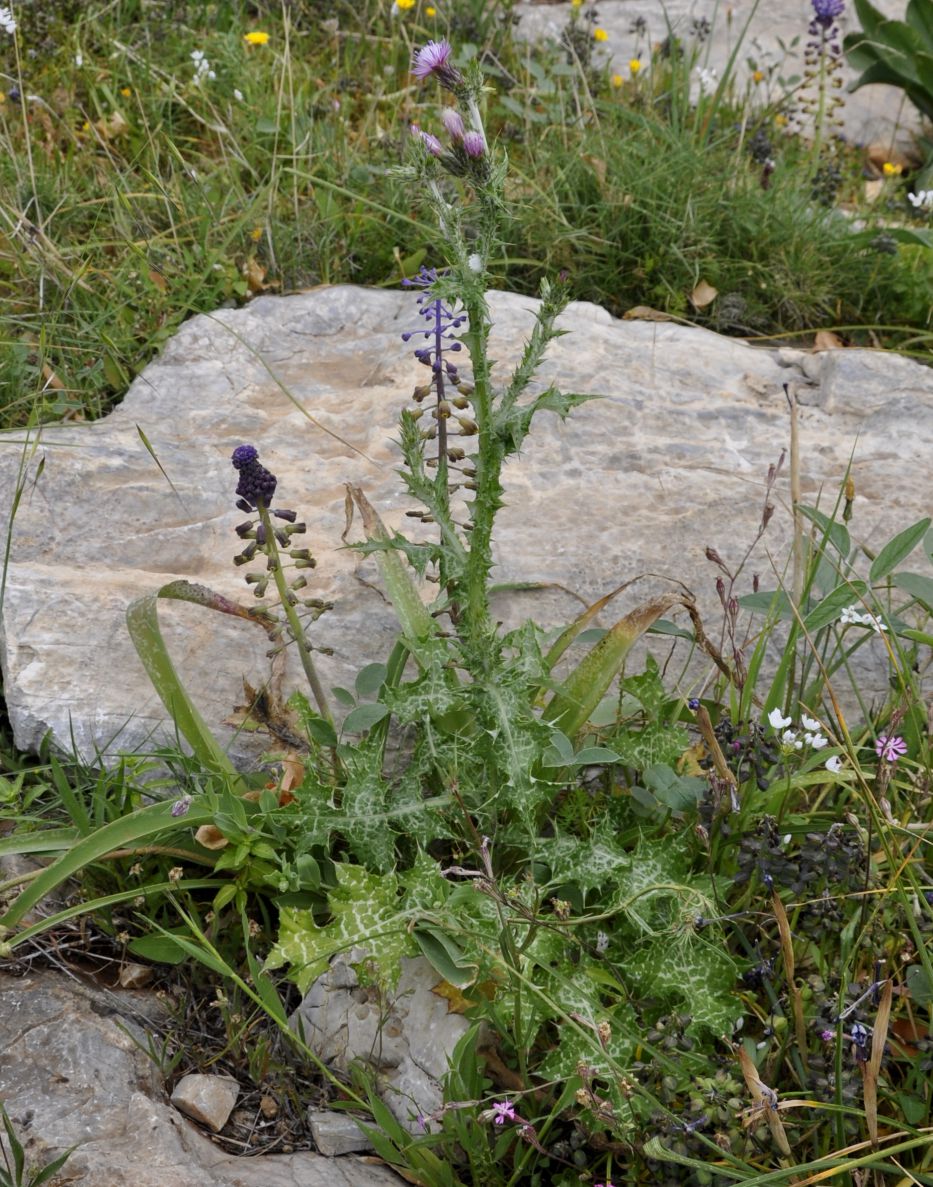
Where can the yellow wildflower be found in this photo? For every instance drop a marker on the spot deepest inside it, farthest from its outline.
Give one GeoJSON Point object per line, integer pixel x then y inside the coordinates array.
{"type": "Point", "coordinates": [634, 65]}
{"type": "Point", "coordinates": [600, 35]}
{"type": "Point", "coordinates": [617, 80]}
{"type": "Point", "coordinates": [576, 3]}
{"type": "Point", "coordinates": [890, 170]}
{"type": "Point", "coordinates": [404, 5]}
{"type": "Point", "coordinates": [255, 37]}
{"type": "Point", "coordinates": [256, 234]}
{"type": "Point", "coordinates": [781, 120]}
{"type": "Point", "coordinates": [758, 76]}
{"type": "Point", "coordinates": [126, 92]}
{"type": "Point", "coordinates": [429, 11]}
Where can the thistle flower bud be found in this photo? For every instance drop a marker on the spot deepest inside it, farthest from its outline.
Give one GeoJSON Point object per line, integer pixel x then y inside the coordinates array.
{"type": "Point", "coordinates": [453, 123]}
{"type": "Point", "coordinates": [473, 145]}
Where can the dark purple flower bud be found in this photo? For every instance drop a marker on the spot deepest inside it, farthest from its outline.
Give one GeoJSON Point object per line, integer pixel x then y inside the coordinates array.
{"type": "Point", "coordinates": [291, 516]}
{"type": "Point", "coordinates": [13, 94]}
{"type": "Point", "coordinates": [453, 123]}
{"type": "Point", "coordinates": [256, 486]}
{"type": "Point", "coordinates": [693, 703]}
{"type": "Point", "coordinates": [473, 145]}
{"type": "Point", "coordinates": [180, 807]}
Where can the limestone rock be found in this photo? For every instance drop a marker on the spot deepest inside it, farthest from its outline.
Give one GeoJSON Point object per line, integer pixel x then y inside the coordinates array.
{"type": "Point", "coordinates": [406, 1039]}
{"type": "Point", "coordinates": [673, 458]}
{"type": "Point", "coordinates": [70, 1075]}
{"type": "Point", "coordinates": [209, 1099]}
{"type": "Point", "coordinates": [875, 113]}
{"type": "Point", "coordinates": [336, 1133]}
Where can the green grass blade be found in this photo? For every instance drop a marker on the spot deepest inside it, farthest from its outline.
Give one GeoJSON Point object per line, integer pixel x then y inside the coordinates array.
{"type": "Point", "coordinates": [575, 699]}
{"type": "Point", "coordinates": [142, 619]}
{"type": "Point", "coordinates": [119, 834]}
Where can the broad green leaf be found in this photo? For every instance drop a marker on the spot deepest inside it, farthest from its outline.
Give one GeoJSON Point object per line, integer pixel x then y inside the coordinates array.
{"type": "Point", "coordinates": [918, 586]}
{"type": "Point", "coordinates": [445, 956]}
{"type": "Point", "coordinates": [160, 948]}
{"type": "Point", "coordinates": [370, 679]}
{"type": "Point", "coordinates": [773, 601]}
{"type": "Point", "coordinates": [897, 550]}
{"type": "Point", "coordinates": [677, 792]}
{"type": "Point", "coordinates": [591, 756]}
{"type": "Point", "coordinates": [829, 609]}
{"type": "Point", "coordinates": [364, 717]}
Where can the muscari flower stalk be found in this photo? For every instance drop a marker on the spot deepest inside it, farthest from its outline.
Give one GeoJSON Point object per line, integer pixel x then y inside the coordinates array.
{"type": "Point", "coordinates": [822, 62]}
{"type": "Point", "coordinates": [255, 490]}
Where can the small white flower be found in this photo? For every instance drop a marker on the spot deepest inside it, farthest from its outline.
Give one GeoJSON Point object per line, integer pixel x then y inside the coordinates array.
{"type": "Point", "coordinates": [777, 721]}
{"type": "Point", "coordinates": [709, 80]}
{"type": "Point", "coordinates": [817, 741]}
{"type": "Point", "coordinates": [197, 56]}
{"type": "Point", "coordinates": [850, 617]}
{"type": "Point", "coordinates": [79, 59]}
{"type": "Point", "coordinates": [791, 741]}
{"type": "Point", "coordinates": [238, 95]}
{"type": "Point", "coordinates": [922, 200]}
{"type": "Point", "coordinates": [7, 23]}
{"type": "Point", "coordinates": [834, 764]}
{"type": "Point", "coordinates": [602, 941]}
{"type": "Point", "coordinates": [875, 623]}
{"type": "Point", "coordinates": [475, 262]}
{"type": "Point", "coordinates": [809, 724]}
{"type": "Point", "coordinates": [786, 839]}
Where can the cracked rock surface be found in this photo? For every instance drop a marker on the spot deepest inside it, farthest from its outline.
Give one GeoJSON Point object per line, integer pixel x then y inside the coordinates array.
{"type": "Point", "coordinates": [70, 1074]}
{"type": "Point", "coordinates": [671, 460]}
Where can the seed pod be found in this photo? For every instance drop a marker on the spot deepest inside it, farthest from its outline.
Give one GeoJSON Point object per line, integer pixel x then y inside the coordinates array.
{"type": "Point", "coordinates": [469, 428]}
{"type": "Point", "coordinates": [456, 454]}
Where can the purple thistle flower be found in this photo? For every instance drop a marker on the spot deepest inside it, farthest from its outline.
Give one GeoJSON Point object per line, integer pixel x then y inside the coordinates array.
{"type": "Point", "coordinates": [890, 748]}
{"type": "Point", "coordinates": [256, 486]}
{"type": "Point", "coordinates": [473, 145]}
{"type": "Point", "coordinates": [180, 807]}
{"type": "Point", "coordinates": [503, 1110]}
{"type": "Point", "coordinates": [432, 144]}
{"type": "Point", "coordinates": [453, 123]}
{"type": "Point", "coordinates": [826, 11]}
{"type": "Point", "coordinates": [434, 58]}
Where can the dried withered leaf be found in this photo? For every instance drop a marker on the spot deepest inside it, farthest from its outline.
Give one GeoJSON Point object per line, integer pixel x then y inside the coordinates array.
{"type": "Point", "coordinates": [827, 340]}
{"type": "Point", "coordinates": [645, 313]}
{"type": "Point", "coordinates": [704, 294]}
{"type": "Point", "coordinates": [210, 836]}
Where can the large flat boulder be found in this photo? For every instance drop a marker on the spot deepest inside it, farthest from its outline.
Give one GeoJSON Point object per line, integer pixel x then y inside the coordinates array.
{"type": "Point", "coordinates": [671, 460]}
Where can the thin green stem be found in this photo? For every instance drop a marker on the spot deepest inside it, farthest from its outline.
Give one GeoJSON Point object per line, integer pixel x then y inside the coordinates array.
{"type": "Point", "coordinates": [294, 622]}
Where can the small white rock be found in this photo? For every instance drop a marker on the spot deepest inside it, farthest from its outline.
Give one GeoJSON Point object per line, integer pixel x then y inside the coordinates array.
{"type": "Point", "coordinates": [336, 1133]}
{"type": "Point", "coordinates": [209, 1099]}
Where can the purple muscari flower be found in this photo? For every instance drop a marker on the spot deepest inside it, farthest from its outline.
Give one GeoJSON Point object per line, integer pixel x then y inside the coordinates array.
{"type": "Point", "coordinates": [890, 748]}
{"type": "Point", "coordinates": [503, 1110]}
{"type": "Point", "coordinates": [256, 486]}
{"type": "Point", "coordinates": [693, 703]}
{"type": "Point", "coordinates": [441, 324]}
{"type": "Point", "coordinates": [827, 1035]}
{"type": "Point", "coordinates": [826, 11]}
{"type": "Point", "coordinates": [180, 807]}
{"type": "Point", "coordinates": [453, 123]}
{"type": "Point", "coordinates": [434, 59]}
{"type": "Point", "coordinates": [474, 145]}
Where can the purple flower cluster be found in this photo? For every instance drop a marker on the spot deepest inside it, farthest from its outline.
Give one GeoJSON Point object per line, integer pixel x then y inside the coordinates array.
{"type": "Point", "coordinates": [826, 11]}
{"type": "Point", "coordinates": [441, 324]}
{"type": "Point", "coordinates": [256, 486]}
{"type": "Point", "coordinates": [433, 60]}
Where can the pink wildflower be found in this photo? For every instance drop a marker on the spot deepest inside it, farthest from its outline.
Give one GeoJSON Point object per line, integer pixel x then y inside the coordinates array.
{"type": "Point", "coordinates": [503, 1110]}
{"type": "Point", "coordinates": [890, 748]}
{"type": "Point", "coordinates": [434, 58]}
